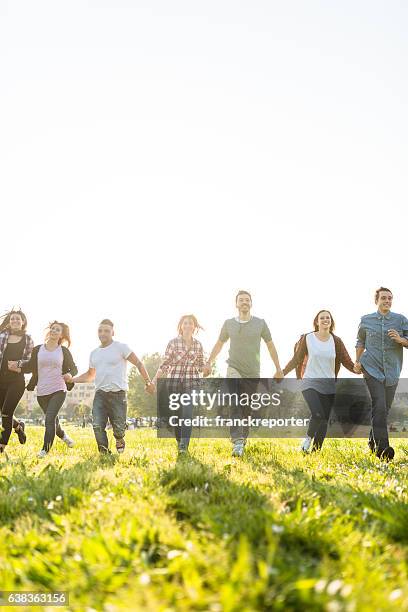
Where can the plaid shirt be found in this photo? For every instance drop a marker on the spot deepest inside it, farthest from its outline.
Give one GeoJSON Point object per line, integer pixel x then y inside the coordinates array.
{"type": "Point", "coordinates": [183, 364]}
{"type": "Point", "coordinates": [29, 345]}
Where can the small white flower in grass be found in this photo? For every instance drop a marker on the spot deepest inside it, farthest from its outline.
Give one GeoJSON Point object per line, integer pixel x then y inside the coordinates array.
{"type": "Point", "coordinates": [277, 528]}
{"type": "Point", "coordinates": [333, 606]}
{"type": "Point", "coordinates": [320, 586]}
{"type": "Point", "coordinates": [58, 498]}
{"type": "Point", "coordinates": [50, 505]}
{"type": "Point", "coordinates": [189, 545]}
{"type": "Point", "coordinates": [144, 578]}
{"type": "Point", "coordinates": [346, 590]}
{"type": "Point", "coordinates": [12, 489]}
{"type": "Point", "coordinates": [334, 586]}
{"type": "Point", "coordinates": [77, 557]}
{"type": "Point", "coordinates": [172, 554]}
{"type": "Point", "coordinates": [395, 594]}
{"type": "Point", "coordinates": [206, 486]}
{"type": "Point", "coordinates": [30, 499]}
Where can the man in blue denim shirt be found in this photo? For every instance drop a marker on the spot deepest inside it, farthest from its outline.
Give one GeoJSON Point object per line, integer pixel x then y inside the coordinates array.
{"type": "Point", "coordinates": [380, 340]}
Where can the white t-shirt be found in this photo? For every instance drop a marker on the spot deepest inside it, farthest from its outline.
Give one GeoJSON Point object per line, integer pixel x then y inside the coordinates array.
{"type": "Point", "coordinates": [320, 365]}
{"type": "Point", "coordinates": [111, 366]}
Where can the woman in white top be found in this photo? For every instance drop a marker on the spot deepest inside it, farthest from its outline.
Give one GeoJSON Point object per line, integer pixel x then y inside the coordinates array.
{"type": "Point", "coordinates": [317, 359]}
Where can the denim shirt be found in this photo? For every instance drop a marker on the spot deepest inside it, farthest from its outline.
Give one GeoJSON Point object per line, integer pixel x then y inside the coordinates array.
{"type": "Point", "coordinates": [382, 357]}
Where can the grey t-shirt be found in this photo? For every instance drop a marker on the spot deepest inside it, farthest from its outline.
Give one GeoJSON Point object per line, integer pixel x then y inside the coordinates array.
{"type": "Point", "coordinates": [245, 344]}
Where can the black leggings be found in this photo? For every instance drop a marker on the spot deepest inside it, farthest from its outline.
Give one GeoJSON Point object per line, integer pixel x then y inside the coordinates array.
{"type": "Point", "coordinates": [320, 406]}
{"type": "Point", "coordinates": [10, 395]}
{"type": "Point", "coordinates": [51, 405]}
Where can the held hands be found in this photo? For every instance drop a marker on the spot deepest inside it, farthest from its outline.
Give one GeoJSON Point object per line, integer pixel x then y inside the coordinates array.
{"type": "Point", "coordinates": [13, 366]}
{"type": "Point", "coordinates": [357, 367]}
{"type": "Point", "coordinates": [207, 370]}
{"type": "Point", "coordinates": [279, 375]}
{"type": "Point", "coordinates": [68, 377]}
{"type": "Point", "coordinates": [150, 387]}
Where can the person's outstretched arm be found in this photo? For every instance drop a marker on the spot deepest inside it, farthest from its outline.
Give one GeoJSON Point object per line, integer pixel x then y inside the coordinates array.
{"type": "Point", "coordinates": [298, 357]}
{"type": "Point", "coordinates": [345, 358]}
{"type": "Point", "coordinates": [86, 377]}
{"type": "Point", "coordinates": [213, 356]}
{"type": "Point", "coordinates": [274, 356]}
{"type": "Point", "coordinates": [134, 360]}
{"type": "Point", "coordinates": [360, 346]}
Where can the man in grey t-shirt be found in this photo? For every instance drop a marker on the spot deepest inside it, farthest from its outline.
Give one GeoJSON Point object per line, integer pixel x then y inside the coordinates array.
{"type": "Point", "coordinates": [245, 333]}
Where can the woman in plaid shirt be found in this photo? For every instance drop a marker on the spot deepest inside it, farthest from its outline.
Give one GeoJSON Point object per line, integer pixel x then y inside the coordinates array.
{"type": "Point", "coordinates": [183, 363]}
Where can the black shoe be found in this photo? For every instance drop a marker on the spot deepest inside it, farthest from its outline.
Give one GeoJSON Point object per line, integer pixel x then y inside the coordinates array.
{"type": "Point", "coordinates": [22, 438]}
{"type": "Point", "coordinates": [387, 454]}
{"type": "Point", "coordinates": [371, 445]}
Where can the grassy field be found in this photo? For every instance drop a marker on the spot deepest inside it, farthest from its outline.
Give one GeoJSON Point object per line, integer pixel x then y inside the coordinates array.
{"type": "Point", "coordinates": [144, 531]}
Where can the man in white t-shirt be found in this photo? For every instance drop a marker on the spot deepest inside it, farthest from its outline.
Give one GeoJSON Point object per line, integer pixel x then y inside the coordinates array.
{"type": "Point", "coordinates": [108, 368]}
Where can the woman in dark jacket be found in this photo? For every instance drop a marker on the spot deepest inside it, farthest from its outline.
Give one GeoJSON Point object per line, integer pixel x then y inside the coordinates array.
{"type": "Point", "coordinates": [15, 346]}
{"type": "Point", "coordinates": [52, 366]}
{"type": "Point", "coordinates": [317, 359]}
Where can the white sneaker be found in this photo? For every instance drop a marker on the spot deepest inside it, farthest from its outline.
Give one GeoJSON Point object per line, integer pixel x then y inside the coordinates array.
{"type": "Point", "coordinates": [306, 444]}
{"type": "Point", "coordinates": [68, 441]}
{"type": "Point", "coordinates": [238, 449]}
{"type": "Point", "coordinates": [42, 453]}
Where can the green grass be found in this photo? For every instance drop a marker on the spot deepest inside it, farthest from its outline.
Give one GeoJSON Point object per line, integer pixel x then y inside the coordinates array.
{"type": "Point", "coordinates": [144, 531]}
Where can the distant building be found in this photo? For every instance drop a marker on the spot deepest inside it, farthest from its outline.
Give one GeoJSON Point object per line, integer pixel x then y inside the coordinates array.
{"type": "Point", "coordinates": [80, 394]}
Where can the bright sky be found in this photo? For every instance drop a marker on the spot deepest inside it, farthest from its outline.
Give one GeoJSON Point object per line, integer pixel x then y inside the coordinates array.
{"type": "Point", "coordinates": [158, 156]}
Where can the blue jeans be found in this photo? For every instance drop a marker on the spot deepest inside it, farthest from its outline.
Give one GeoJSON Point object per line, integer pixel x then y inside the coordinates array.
{"type": "Point", "coordinates": [112, 406]}
{"type": "Point", "coordinates": [51, 405]}
{"type": "Point", "coordinates": [320, 405]}
{"type": "Point", "coordinates": [183, 432]}
{"type": "Point", "coordinates": [238, 433]}
{"type": "Point", "coordinates": [381, 401]}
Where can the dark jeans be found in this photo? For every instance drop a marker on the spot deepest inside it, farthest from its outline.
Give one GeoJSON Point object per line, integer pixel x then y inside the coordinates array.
{"type": "Point", "coordinates": [51, 405]}
{"type": "Point", "coordinates": [10, 395]}
{"type": "Point", "coordinates": [239, 433]}
{"type": "Point", "coordinates": [382, 397]}
{"type": "Point", "coordinates": [320, 405]}
{"type": "Point", "coordinates": [112, 406]}
{"type": "Point", "coordinates": [183, 432]}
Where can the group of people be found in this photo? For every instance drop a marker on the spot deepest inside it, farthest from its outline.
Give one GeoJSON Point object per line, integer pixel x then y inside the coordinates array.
{"type": "Point", "coordinates": [317, 359]}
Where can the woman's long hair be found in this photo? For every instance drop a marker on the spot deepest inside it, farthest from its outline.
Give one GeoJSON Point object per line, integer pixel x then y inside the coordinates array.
{"type": "Point", "coordinates": [65, 338]}
{"type": "Point", "coordinates": [197, 326]}
{"type": "Point", "coordinates": [316, 320]}
{"type": "Point", "coordinates": [5, 320]}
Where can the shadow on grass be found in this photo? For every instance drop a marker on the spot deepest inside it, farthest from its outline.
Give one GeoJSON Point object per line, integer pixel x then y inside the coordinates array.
{"type": "Point", "coordinates": [387, 514]}
{"type": "Point", "coordinates": [54, 488]}
{"type": "Point", "coordinates": [211, 502]}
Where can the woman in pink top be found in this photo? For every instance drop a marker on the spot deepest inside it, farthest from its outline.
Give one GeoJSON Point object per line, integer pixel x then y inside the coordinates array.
{"type": "Point", "coordinates": [52, 367]}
